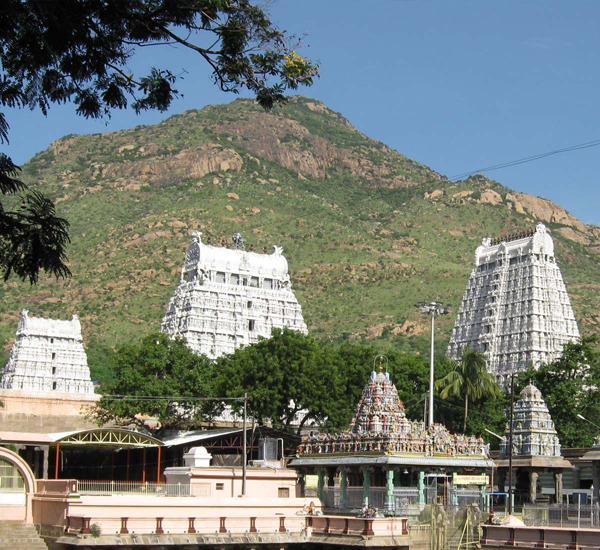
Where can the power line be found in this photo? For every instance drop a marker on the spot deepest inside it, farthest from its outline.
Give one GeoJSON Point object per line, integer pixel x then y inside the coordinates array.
{"type": "Point", "coordinates": [524, 160]}
{"type": "Point", "coordinates": [167, 398]}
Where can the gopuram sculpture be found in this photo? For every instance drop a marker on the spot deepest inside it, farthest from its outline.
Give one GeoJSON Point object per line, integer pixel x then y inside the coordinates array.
{"type": "Point", "coordinates": [388, 461]}
{"type": "Point", "coordinates": [229, 297]}
{"type": "Point", "coordinates": [535, 447]}
{"type": "Point", "coordinates": [515, 309]}
{"type": "Point", "coordinates": [533, 429]}
{"type": "Point", "coordinates": [380, 425]}
{"type": "Point", "coordinates": [47, 356]}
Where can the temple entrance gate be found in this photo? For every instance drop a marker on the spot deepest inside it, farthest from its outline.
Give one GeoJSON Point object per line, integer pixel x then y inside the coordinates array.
{"type": "Point", "coordinates": [436, 488]}
{"type": "Point", "coordinates": [17, 486]}
{"type": "Point", "coordinates": [12, 485]}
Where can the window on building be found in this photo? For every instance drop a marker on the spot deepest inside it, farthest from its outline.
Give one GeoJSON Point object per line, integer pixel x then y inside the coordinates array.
{"type": "Point", "coordinates": [268, 284]}
{"type": "Point", "coordinates": [220, 277]}
{"type": "Point", "coordinates": [283, 492]}
{"type": "Point", "coordinates": [254, 282]}
{"type": "Point", "coordinates": [234, 279]}
{"type": "Point", "coordinates": [54, 385]}
{"type": "Point", "coordinates": [53, 370]}
{"type": "Point", "coordinates": [220, 486]}
{"type": "Point", "coordinates": [251, 323]}
{"type": "Point", "coordinates": [53, 355]}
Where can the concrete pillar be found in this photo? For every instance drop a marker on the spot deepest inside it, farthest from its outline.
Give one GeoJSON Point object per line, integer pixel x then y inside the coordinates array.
{"type": "Point", "coordinates": [533, 477]}
{"type": "Point", "coordinates": [46, 451]}
{"type": "Point", "coordinates": [344, 488]}
{"type": "Point", "coordinates": [397, 478]}
{"type": "Point", "coordinates": [576, 477]}
{"type": "Point", "coordinates": [366, 484]}
{"type": "Point", "coordinates": [453, 494]}
{"type": "Point", "coordinates": [596, 479]}
{"type": "Point", "coordinates": [37, 463]}
{"type": "Point", "coordinates": [501, 475]}
{"type": "Point", "coordinates": [330, 477]}
{"type": "Point", "coordinates": [389, 494]}
{"type": "Point", "coordinates": [421, 487]}
{"type": "Point", "coordinates": [558, 486]}
{"type": "Point", "coordinates": [320, 492]}
{"type": "Point", "coordinates": [302, 484]}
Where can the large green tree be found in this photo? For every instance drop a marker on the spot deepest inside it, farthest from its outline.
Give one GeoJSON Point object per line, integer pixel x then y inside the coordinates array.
{"type": "Point", "coordinates": [288, 378]}
{"type": "Point", "coordinates": [468, 380]}
{"type": "Point", "coordinates": [79, 50]}
{"type": "Point", "coordinates": [569, 386]}
{"type": "Point", "coordinates": [158, 367]}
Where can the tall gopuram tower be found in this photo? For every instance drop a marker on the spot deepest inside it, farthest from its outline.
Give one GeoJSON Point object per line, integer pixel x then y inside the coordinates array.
{"type": "Point", "coordinates": [515, 309]}
{"type": "Point", "coordinates": [230, 297]}
{"type": "Point", "coordinates": [47, 356]}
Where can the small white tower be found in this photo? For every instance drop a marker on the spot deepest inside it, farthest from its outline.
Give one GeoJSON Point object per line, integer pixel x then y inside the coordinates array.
{"type": "Point", "coordinates": [47, 356]}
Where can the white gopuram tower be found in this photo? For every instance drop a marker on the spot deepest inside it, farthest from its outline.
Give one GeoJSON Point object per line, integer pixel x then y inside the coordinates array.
{"type": "Point", "coordinates": [47, 356]}
{"type": "Point", "coordinates": [516, 309]}
{"type": "Point", "coordinates": [229, 297]}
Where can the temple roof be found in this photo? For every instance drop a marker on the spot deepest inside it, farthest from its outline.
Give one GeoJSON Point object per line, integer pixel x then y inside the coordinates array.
{"type": "Point", "coordinates": [534, 433]}
{"type": "Point", "coordinates": [55, 328]}
{"type": "Point", "coordinates": [233, 260]}
{"type": "Point", "coordinates": [380, 427]}
{"type": "Point", "coordinates": [379, 408]}
{"type": "Point", "coordinates": [537, 242]}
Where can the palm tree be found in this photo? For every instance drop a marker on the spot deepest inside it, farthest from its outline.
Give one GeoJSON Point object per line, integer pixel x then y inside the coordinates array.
{"type": "Point", "coordinates": [469, 379]}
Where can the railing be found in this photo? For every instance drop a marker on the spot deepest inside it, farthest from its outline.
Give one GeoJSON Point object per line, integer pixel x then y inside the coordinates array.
{"type": "Point", "coordinates": [539, 537]}
{"type": "Point", "coordinates": [334, 525]}
{"type": "Point", "coordinates": [182, 525]}
{"type": "Point", "coordinates": [339, 525]}
{"type": "Point", "coordinates": [562, 515]}
{"type": "Point", "coordinates": [136, 488]}
{"type": "Point", "coordinates": [355, 497]}
{"type": "Point", "coordinates": [405, 499]}
{"type": "Point", "coordinates": [331, 497]}
{"type": "Point", "coordinates": [377, 497]}
{"type": "Point", "coordinates": [464, 497]}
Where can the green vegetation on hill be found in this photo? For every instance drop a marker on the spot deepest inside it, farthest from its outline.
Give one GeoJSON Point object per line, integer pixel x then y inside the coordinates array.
{"type": "Point", "coordinates": [367, 231]}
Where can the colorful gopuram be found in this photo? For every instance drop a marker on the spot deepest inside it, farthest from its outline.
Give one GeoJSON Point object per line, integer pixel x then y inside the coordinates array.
{"type": "Point", "coordinates": [388, 461]}
{"type": "Point", "coordinates": [535, 446]}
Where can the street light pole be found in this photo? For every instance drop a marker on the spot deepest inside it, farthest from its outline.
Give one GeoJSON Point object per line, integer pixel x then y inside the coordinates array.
{"type": "Point", "coordinates": [244, 444]}
{"type": "Point", "coordinates": [589, 421]}
{"type": "Point", "coordinates": [510, 444]}
{"type": "Point", "coordinates": [433, 309]}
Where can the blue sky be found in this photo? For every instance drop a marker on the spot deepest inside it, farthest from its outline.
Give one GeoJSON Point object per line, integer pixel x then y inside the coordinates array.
{"type": "Point", "coordinates": [457, 85]}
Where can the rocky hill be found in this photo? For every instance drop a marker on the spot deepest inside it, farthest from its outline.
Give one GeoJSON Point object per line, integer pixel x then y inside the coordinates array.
{"type": "Point", "coordinates": [367, 231]}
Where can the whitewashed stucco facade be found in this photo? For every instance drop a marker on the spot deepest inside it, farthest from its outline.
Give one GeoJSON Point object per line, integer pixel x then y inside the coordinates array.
{"type": "Point", "coordinates": [515, 309]}
{"type": "Point", "coordinates": [228, 298]}
{"type": "Point", "coordinates": [47, 356]}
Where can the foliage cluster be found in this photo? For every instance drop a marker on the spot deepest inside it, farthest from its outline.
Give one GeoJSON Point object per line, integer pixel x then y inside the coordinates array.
{"type": "Point", "coordinates": [291, 381]}
{"type": "Point", "coordinates": [569, 386]}
{"type": "Point", "coordinates": [67, 51]}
